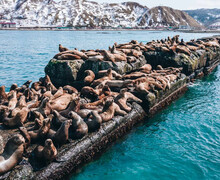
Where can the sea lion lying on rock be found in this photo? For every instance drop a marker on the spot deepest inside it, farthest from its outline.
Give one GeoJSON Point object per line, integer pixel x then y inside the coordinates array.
{"type": "Point", "coordinates": [110, 109]}
{"type": "Point", "coordinates": [12, 153]}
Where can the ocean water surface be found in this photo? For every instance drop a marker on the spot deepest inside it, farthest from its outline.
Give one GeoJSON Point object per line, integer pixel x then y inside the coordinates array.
{"type": "Point", "coordinates": [181, 142]}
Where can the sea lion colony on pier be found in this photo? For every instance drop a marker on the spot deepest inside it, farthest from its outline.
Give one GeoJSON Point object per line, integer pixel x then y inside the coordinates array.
{"type": "Point", "coordinates": [50, 117]}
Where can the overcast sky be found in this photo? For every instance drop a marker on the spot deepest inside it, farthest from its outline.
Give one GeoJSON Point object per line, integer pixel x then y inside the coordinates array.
{"type": "Point", "coordinates": [177, 4]}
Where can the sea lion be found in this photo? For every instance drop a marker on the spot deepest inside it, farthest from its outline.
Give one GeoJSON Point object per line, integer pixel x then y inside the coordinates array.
{"type": "Point", "coordinates": [90, 76]}
{"type": "Point", "coordinates": [22, 102]}
{"type": "Point", "coordinates": [146, 68]}
{"type": "Point", "coordinates": [26, 136]}
{"type": "Point", "coordinates": [62, 102]}
{"type": "Point", "coordinates": [13, 87]}
{"type": "Point", "coordinates": [44, 108]}
{"type": "Point", "coordinates": [69, 89]}
{"type": "Point", "coordinates": [93, 121]}
{"type": "Point", "coordinates": [59, 93]}
{"type": "Point", "coordinates": [68, 57]}
{"type": "Point", "coordinates": [108, 76]}
{"type": "Point", "coordinates": [79, 128]}
{"type": "Point", "coordinates": [62, 135]}
{"type": "Point", "coordinates": [47, 153]}
{"type": "Point", "coordinates": [17, 120]}
{"type": "Point", "coordinates": [58, 119]}
{"type": "Point", "coordinates": [12, 153]}
{"type": "Point", "coordinates": [73, 106]}
{"type": "Point", "coordinates": [42, 132]}
{"type": "Point", "coordinates": [123, 97]}
{"type": "Point", "coordinates": [12, 100]}
{"type": "Point", "coordinates": [3, 95]}
{"type": "Point", "coordinates": [110, 109]}
{"type": "Point", "coordinates": [61, 48]}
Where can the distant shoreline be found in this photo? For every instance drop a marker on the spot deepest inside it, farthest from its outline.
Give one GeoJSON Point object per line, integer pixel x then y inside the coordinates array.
{"type": "Point", "coordinates": [49, 29]}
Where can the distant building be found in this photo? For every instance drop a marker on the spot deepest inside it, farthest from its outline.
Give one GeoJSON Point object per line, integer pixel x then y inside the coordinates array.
{"type": "Point", "coordinates": [185, 27]}
{"type": "Point", "coordinates": [7, 25]}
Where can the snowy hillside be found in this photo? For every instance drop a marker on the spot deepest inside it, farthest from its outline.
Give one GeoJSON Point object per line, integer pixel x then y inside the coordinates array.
{"type": "Point", "coordinates": [90, 14]}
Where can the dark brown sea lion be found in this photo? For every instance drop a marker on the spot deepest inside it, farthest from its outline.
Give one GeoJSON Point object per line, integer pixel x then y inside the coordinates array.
{"type": "Point", "coordinates": [46, 153]}
{"type": "Point", "coordinates": [12, 153]}
{"type": "Point", "coordinates": [13, 87]}
{"type": "Point", "coordinates": [90, 76]}
{"type": "Point", "coordinates": [123, 97]}
{"type": "Point", "coordinates": [93, 121]}
{"type": "Point", "coordinates": [44, 108]}
{"type": "Point", "coordinates": [61, 48]}
{"type": "Point", "coordinates": [58, 119]}
{"type": "Point", "coordinates": [110, 109]}
{"type": "Point", "coordinates": [79, 128]}
{"type": "Point", "coordinates": [41, 133]}
{"type": "Point", "coordinates": [62, 135]}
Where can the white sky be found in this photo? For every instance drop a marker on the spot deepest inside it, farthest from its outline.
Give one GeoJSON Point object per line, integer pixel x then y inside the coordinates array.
{"type": "Point", "coordinates": [176, 4]}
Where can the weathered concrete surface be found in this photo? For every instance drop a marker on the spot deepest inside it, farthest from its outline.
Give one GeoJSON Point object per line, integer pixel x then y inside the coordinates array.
{"type": "Point", "coordinates": [63, 72]}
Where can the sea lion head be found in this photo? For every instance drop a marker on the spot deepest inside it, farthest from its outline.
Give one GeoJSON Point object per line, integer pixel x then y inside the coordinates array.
{"type": "Point", "coordinates": [48, 143]}
{"type": "Point", "coordinates": [17, 139]}
{"type": "Point", "coordinates": [109, 71]}
{"type": "Point", "coordinates": [109, 101]}
{"type": "Point", "coordinates": [73, 115]}
{"type": "Point", "coordinates": [159, 67]}
{"type": "Point", "coordinates": [122, 91]}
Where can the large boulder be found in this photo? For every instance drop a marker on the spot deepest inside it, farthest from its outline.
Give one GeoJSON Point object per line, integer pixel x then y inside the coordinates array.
{"type": "Point", "coordinates": [63, 72]}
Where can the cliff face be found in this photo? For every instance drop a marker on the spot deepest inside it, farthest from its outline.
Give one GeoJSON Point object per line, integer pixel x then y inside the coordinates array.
{"type": "Point", "coordinates": [90, 14]}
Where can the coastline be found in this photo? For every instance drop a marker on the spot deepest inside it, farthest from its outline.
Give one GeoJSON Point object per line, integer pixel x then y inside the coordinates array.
{"type": "Point", "coordinates": [57, 29]}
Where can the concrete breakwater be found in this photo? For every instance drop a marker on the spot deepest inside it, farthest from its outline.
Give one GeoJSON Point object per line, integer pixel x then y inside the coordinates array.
{"type": "Point", "coordinates": [153, 87]}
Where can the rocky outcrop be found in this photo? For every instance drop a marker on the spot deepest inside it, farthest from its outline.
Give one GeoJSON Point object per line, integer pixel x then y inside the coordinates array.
{"type": "Point", "coordinates": [63, 72]}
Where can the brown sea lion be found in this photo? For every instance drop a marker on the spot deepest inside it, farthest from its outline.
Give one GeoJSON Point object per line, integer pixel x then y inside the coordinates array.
{"type": "Point", "coordinates": [58, 119]}
{"type": "Point", "coordinates": [3, 95]}
{"type": "Point", "coordinates": [108, 76]}
{"type": "Point", "coordinates": [123, 97]}
{"type": "Point", "coordinates": [42, 132]}
{"type": "Point", "coordinates": [26, 136]}
{"type": "Point", "coordinates": [73, 106]}
{"type": "Point", "coordinates": [68, 57]}
{"type": "Point", "coordinates": [59, 93]}
{"type": "Point", "coordinates": [62, 102]}
{"type": "Point", "coordinates": [146, 68]}
{"type": "Point", "coordinates": [47, 153]}
{"type": "Point", "coordinates": [90, 76]}
{"type": "Point", "coordinates": [12, 100]}
{"type": "Point", "coordinates": [12, 153]}
{"type": "Point", "coordinates": [110, 109]}
{"type": "Point", "coordinates": [22, 102]}
{"type": "Point", "coordinates": [17, 120]}
{"type": "Point", "coordinates": [93, 121]}
{"type": "Point", "coordinates": [61, 48]}
{"type": "Point", "coordinates": [62, 135]}
{"type": "Point", "coordinates": [70, 89]}
{"type": "Point", "coordinates": [44, 108]}
{"type": "Point", "coordinates": [79, 128]}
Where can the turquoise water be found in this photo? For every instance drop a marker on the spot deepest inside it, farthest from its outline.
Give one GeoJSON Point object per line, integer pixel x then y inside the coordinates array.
{"type": "Point", "coordinates": [181, 142]}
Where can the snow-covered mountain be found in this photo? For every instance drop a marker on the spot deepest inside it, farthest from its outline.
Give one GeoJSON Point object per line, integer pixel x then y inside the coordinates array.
{"type": "Point", "coordinates": [90, 14]}
{"type": "Point", "coordinates": [208, 17]}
